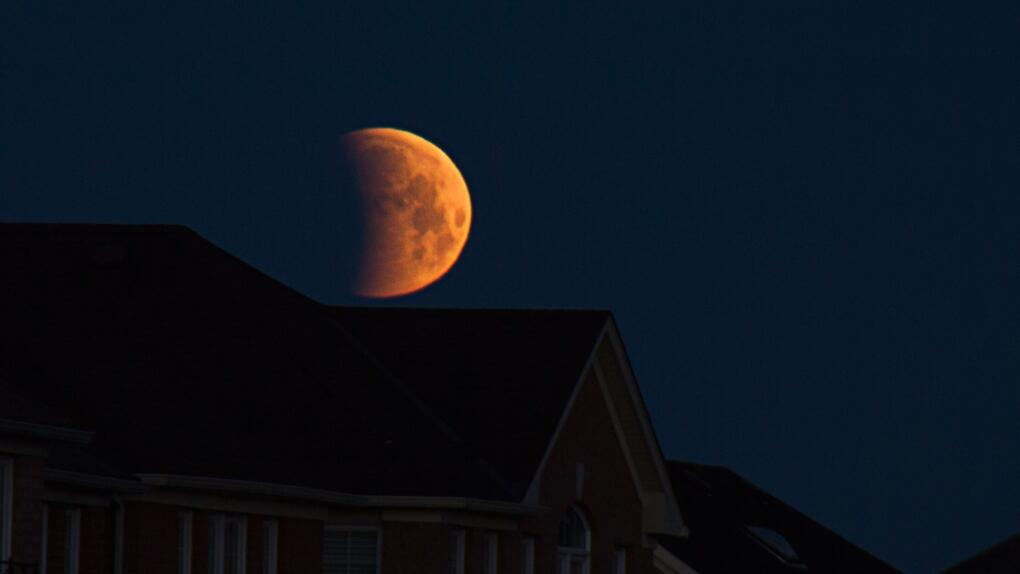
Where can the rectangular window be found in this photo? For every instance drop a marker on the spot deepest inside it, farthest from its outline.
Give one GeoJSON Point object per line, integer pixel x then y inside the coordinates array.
{"type": "Point", "coordinates": [227, 543]}
{"type": "Point", "coordinates": [456, 551]}
{"type": "Point", "coordinates": [528, 555]}
{"type": "Point", "coordinates": [271, 536]}
{"type": "Point", "coordinates": [6, 492]}
{"type": "Point", "coordinates": [350, 551]}
{"type": "Point", "coordinates": [490, 554]}
{"type": "Point", "coordinates": [619, 560]}
{"type": "Point", "coordinates": [184, 542]}
{"type": "Point", "coordinates": [72, 540]}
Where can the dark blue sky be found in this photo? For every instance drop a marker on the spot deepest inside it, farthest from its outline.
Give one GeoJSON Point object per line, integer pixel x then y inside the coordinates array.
{"type": "Point", "coordinates": [805, 217]}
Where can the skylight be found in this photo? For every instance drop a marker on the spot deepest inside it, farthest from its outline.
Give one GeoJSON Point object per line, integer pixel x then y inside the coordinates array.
{"type": "Point", "coordinates": [775, 542]}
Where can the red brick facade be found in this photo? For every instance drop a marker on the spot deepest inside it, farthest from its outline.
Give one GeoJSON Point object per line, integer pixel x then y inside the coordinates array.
{"type": "Point", "coordinates": [149, 542]}
{"type": "Point", "coordinates": [26, 515]}
{"type": "Point", "coordinates": [609, 499]}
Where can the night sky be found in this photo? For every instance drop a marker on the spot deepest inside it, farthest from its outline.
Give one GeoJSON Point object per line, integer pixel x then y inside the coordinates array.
{"type": "Point", "coordinates": [804, 217]}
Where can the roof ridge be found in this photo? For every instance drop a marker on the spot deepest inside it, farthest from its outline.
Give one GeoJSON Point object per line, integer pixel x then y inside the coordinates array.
{"type": "Point", "coordinates": [49, 226]}
{"type": "Point", "coordinates": [578, 310]}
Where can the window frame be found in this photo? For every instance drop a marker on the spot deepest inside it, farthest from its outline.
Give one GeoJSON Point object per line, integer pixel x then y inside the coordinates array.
{"type": "Point", "coordinates": [528, 555]}
{"type": "Point", "coordinates": [458, 547]}
{"type": "Point", "coordinates": [185, 541]}
{"type": "Point", "coordinates": [270, 546]}
{"type": "Point", "coordinates": [490, 555]}
{"type": "Point", "coordinates": [45, 548]}
{"type": "Point", "coordinates": [217, 540]}
{"type": "Point", "coordinates": [565, 555]}
{"type": "Point", "coordinates": [620, 560]}
{"type": "Point", "coordinates": [72, 541]}
{"type": "Point", "coordinates": [6, 506]}
{"type": "Point", "coordinates": [378, 539]}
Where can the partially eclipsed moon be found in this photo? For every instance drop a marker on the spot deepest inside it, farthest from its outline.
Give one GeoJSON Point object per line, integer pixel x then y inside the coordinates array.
{"type": "Point", "coordinates": [415, 207]}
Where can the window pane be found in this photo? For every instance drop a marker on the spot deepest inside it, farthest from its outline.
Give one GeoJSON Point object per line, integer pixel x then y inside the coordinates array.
{"type": "Point", "coordinates": [350, 552]}
{"type": "Point", "coordinates": [573, 533]}
{"type": "Point", "coordinates": [230, 550]}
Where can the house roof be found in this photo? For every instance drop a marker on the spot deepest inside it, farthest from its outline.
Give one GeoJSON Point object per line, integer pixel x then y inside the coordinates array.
{"type": "Point", "coordinates": [1000, 558]}
{"type": "Point", "coordinates": [186, 361]}
{"type": "Point", "coordinates": [500, 378]}
{"type": "Point", "coordinates": [737, 527]}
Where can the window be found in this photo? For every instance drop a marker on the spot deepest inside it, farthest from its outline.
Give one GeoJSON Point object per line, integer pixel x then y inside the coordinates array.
{"type": "Point", "coordinates": [574, 543]}
{"type": "Point", "coordinates": [456, 551]}
{"type": "Point", "coordinates": [350, 551]}
{"type": "Point", "coordinates": [227, 544]}
{"type": "Point", "coordinates": [619, 561]}
{"type": "Point", "coordinates": [490, 555]}
{"type": "Point", "coordinates": [183, 542]}
{"type": "Point", "coordinates": [528, 555]}
{"type": "Point", "coordinates": [775, 543]}
{"type": "Point", "coordinates": [271, 536]}
{"type": "Point", "coordinates": [72, 540]}
{"type": "Point", "coordinates": [6, 490]}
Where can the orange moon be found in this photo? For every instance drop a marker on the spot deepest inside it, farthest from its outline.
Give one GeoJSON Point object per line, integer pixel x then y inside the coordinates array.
{"type": "Point", "coordinates": [416, 211]}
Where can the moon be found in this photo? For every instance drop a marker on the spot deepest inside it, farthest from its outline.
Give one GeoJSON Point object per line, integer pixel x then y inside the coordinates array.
{"type": "Point", "coordinates": [415, 211]}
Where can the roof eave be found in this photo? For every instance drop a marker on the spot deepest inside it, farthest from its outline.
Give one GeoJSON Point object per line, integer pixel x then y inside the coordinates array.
{"type": "Point", "coordinates": [339, 498]}
{"type": "Point", "coordinates": [49, 432]}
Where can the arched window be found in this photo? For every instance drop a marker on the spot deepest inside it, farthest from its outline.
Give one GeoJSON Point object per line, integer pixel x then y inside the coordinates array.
{"type": "Point", "coordinates": [573, 547]}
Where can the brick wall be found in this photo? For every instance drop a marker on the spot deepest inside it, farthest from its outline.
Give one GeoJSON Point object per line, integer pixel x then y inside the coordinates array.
{"type": "Point", "coordinates": [26, 512]}
{"type": "Point", "coordinates": [151, 545]}
{"type": "Point", "coordinates": [96, 542]}
{"type": "Point", "coordinates": [95, 538]}
{"type": "Point", "coordinates": [411, 547]}
{"type": "Point", "coordinates": [608, 499]}
{"type": "Point", "coordinates": [300, 549]}
{"type": "Point", "coordinates": [150, 538]}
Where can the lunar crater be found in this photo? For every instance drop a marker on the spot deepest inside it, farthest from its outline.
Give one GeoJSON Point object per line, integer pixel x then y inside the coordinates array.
{"type": "Point", "coordinates": [417, 211]}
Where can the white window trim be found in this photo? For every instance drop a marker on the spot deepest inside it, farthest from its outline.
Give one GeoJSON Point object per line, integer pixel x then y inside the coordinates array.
{"type": "Point", "coordinates": [492, 553]}
{"type": "Point", "coordinates": [459, 539]}
{"type": "Point", "coordinates": [528, 555]}
{"type": "Point", "coordinates": [44, 550]}
{"type": "Point", "coordinates": [118, 536]}
{"type": "Point", "coordinates": [6, 502]}
{"type": "Point", "coordinates": [271, 542]}
{"type": "Point", "coordinates": [378, 539]}
{"type": "Point", "coordinates": [218, 530]}
{"type": "Point", "coordinates": [620, 560]}
{"type": "Point", "coordinates": [72, 540]}
{"type": "Point", "coordinates": [565, 553]}
{"type": "Point", "coordinates": [185, 547]}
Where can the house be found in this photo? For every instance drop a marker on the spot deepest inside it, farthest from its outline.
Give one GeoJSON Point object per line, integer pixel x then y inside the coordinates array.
{"type": "Point", "coordinates": [167, 409]}
{"type": "Point", "coordinates": [170, 409]}
{"type": "Point", "coordinates": [737, 527]}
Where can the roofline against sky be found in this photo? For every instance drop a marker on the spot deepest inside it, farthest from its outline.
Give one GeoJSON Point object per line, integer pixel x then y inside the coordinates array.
{"type": "Point", "coordinates": [339, 498]}
{"type": "Point", "coordinates": [46, 431]}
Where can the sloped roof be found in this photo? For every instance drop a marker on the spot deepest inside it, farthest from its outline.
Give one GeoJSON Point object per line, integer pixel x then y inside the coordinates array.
{"type": "Point", "coordinates": [737, 527]}
{"type": "Point", "coordinates": [1000, 558]}
{"type": "Point", "coordinates": [500, 378]}
{"type": "Point", "coordinates": [186, 361]}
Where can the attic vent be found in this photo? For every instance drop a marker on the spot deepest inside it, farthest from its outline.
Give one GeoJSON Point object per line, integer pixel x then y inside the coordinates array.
{"type": "Point", "coordinates": [776, 543]}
